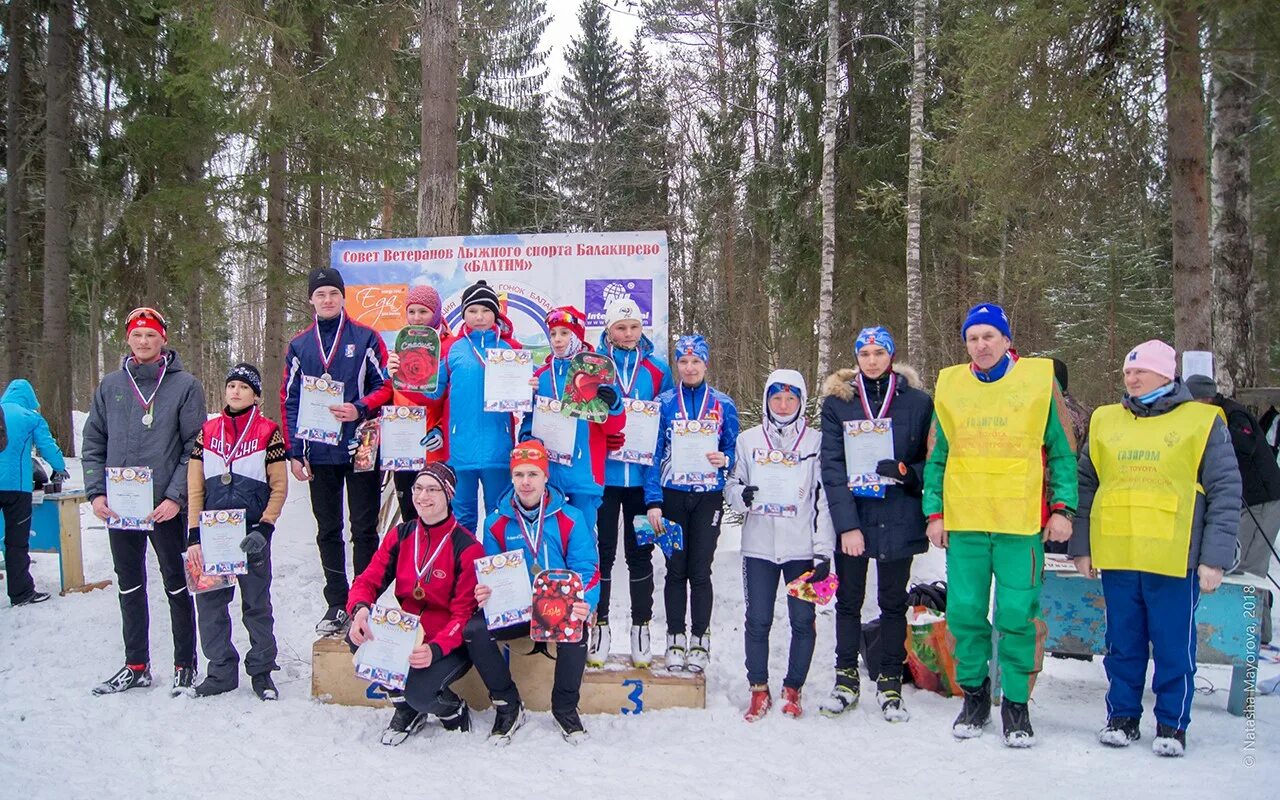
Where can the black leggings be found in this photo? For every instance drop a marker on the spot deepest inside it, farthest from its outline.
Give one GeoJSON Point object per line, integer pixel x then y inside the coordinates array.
{"type": "Point", "coordinates": [892, 577]}
{"type": "Point", "coordinates": [689, 570]}
{"type": "Point", "coordinates": [627, 502]}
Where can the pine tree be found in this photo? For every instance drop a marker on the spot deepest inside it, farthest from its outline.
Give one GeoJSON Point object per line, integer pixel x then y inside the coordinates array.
{"type": "Point", "coordinates": [644, 135]}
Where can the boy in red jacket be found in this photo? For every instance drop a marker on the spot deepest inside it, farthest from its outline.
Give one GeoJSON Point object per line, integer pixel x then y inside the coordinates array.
{"type": "Point", "coordinates": [431, 559]}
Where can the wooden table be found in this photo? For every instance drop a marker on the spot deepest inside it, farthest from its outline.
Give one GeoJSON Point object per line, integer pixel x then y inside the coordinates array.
{"type": "Point", "coordinates": [55, 528]}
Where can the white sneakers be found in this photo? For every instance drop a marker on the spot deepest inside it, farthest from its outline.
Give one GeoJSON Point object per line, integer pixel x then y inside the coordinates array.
{"type": "Point", "coordinates": [598, 648]}
{"type": "Point", "coordinates": [676, 650]}
{"type": "Point", "coordinates": [699, 653]}
{"type": "Point", "coordinates": [641, 650]}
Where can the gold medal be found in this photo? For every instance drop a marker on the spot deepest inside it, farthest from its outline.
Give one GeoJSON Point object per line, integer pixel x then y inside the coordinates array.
{"type": "Point", "coordinates": [418, 594]}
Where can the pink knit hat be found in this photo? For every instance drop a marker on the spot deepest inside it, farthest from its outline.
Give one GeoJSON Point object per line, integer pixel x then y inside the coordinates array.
{"type": "Point", "coordinates": [1153, 355]}
{"type": "Point", "coordinates": [424, 295]}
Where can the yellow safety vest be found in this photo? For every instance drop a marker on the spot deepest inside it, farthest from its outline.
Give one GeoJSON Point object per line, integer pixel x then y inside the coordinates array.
{"type": "Point", "coordinates": [994, 479]}
{"type": "Point", "coordinates": [1148, 480]}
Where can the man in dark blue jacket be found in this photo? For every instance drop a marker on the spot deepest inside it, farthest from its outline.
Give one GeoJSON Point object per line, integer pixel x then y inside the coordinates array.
{"type": "Point", "coordinates": [334, 350]}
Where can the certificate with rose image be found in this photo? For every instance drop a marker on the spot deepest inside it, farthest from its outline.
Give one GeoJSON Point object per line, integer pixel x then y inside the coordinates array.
{"type": "Point", "coordinates": [400, 445]}
{"type": "Point", "coordinates": [506, 380]}
{"type": "Point", "coordinates": [691, 440]}
{"type": "Point", "coordinates": [130, 496]}
{"type": "Point", "coordinates": [557, 432]}
{"type": "Point", "coordinates": [644, 419]}
{"type": "Point", "coordinates": [507, 575]}
{"type": "Point", "coordinates": [418, 348]}
{"type": "Point", "coordinates": [779, 481]}
{"type": "Point", "coordinates": [384, 657]}
{"type": "Point", "coordinates": [316, 423]}
{"type": "Point", "coordinates": [221, 533]}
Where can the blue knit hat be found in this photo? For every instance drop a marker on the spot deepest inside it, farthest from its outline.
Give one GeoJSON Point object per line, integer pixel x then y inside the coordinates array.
{"type": "Point", "coordinates": [877, 335]}
{"type": "Point", "coordinates": [694, 344]}
{"type": "Point", "coordinates": [986, 314]}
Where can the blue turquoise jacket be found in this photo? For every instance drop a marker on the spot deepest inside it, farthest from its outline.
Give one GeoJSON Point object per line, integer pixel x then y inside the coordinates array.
{"type": "Point", "coordinates": [26, 429]}
{"type": "Point", "coordinates": [719, 407]}
{"type": "Point", "coordinates": [478, 439]}
{"type": "Point", "coordinates": [652, 378]}
{"type": "Point", "coordinates": [568, 542]}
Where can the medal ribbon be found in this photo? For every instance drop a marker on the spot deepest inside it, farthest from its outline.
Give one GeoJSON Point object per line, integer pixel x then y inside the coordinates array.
{"type": "Point", "coordinates": [706, 400]}
{"type": "Point", "coordinates": [801, 426]}
{"type": "Point", "coordinates": [147, 401]}
{"type": "Point", "coordinates": [417, 541]}
{"type": "Point", "coordinates": [629, 383]}
{"type": "Point", "coordinates": [888, 400]}
{"type": "Point", "coordinates": [535, 540]}
{"type": "Point", "coordinates": [231, 456]}
{"type": "Point", "coordinates": [327, 358]}
{"type": "Point", "coordinates": [467, 335]}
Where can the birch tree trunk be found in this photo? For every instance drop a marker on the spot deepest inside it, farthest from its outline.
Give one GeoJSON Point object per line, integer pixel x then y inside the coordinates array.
{"type": "Point", "coordinates": [828, 191]}
{"type": "Point", "coordinates": [1233, 273]}
{"type": "Point", "coordinates": [916, 348]}
{"type": "Point", "coordinates": [55, 393]}
{"type": "Point", "coordinates": [1189, 198]}
{"type": "Point", "coordinates": [438, 171]}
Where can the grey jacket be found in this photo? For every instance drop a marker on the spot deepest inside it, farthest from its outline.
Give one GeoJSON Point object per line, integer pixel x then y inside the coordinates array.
{"type": "Point", "coordinates": [114, 435]}
{"type": "Point", "coordinates": [1217, 515]}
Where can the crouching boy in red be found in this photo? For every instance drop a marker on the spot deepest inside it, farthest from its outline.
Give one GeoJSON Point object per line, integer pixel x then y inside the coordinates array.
{"type": "Point", "coordinates": [432, 560]}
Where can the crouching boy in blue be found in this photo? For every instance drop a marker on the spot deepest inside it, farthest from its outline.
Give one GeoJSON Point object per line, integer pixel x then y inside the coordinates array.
{"type": "Point", "coordinates": [239, 462]}
{"type": "Point", "coordinates": [535, 518]}
{"type": "Point", "coordinates": [1159, 508]}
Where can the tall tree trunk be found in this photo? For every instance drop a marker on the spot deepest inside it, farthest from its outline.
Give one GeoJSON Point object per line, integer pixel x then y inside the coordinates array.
{"type": "Point", "coordinates": [1189, 190]}
{"type": "Point", "coordinates": [916, 353]}
{"type": "Point", "coordinates": [1233, 274]}
{"type": "Point", "coordinates": [828, 191]}
{"type": "Point", "coordinates": [56, 388]}
{"type": "Point", "coordinates": [438, 172]}
{"type": "Point", "coordinates": [776, 170]}
{"type": "Point", "coordinates": [315, 160]}
{"type": "Point", "coordinates": [277, 277]}
{"type": "Point", "coordinates": [15, 197]}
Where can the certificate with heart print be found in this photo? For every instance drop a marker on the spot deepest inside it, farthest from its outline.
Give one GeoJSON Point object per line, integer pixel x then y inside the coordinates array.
{"type": "Point", "coordinates": [587, 373]}
{"type": "Point", "coordinates": [554, 593]}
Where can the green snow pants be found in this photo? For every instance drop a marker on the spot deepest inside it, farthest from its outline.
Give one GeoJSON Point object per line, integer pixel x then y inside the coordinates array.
{"type": "Point", "coordinates": [1017, 562]}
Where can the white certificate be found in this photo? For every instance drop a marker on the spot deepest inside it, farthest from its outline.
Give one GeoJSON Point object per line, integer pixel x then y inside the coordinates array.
{"type": "Point", "coordinates": [131, 497]}
{"type": "Point", "coordinates": [384, 658]}
{"type": "Point", "coordinates": [507, 574]}
{"type": "Point", "coordinates": [779, 480]}
{"type": "Point", "coordinates": [221, 533]}
{"type": "Point", "coordinates": [867, 442]}
{"type": "Point", "coordinates": [403, 428]}
{"type": "Point", "coordinates": [691, 440]}
{"type": "Point", "coordinates": [316, 422]}
{"type": "Point", "coordinates": [506, 380]}
{"type": "Point", "coordinates": [557, 432]}
{"type": "Point", "coordinates": [644, 419]}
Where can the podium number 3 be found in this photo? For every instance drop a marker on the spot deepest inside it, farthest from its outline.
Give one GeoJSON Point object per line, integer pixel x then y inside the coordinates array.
{"type": "Point", "coordinates": [636, 697]}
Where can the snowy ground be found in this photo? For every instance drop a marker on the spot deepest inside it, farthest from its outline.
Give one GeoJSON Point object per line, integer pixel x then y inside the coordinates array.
{"type": "Point", "coordinates": [60, 741]}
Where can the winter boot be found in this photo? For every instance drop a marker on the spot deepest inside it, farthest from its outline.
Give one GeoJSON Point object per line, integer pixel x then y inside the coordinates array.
{"type": "Point", "coordinates": [676, 651]}
{"type": "Point", "coordinates": [405, 722]}
{"type": "Point", "coordinates": [641, 650]}
{"type": "Point", "coordinates": [209, 688]}
{"type": "Point", "coordinates": [459, 720]}
{"type": "Point", "coordinates": [127, 678]}
{"type": "Point", "coordinates": [598, 648]}
{"type": "Point", "coordinates": [889, 696]}
{"type": "Point", "coordinates": [761, 702]}
{"type": "Point", "coordinates": [699, 653]}
{"type": "Point", "coordinates": [264, 687]}
{"type": "Point", "coordinates": [507, 719]}
{"type": "Point", "coordinates": [976, 712]}
{"type": "Point", "coordinates": [791, 703]}
{"type": "Point", "coordinates": [1169, 741]}
{"type": "Point", "coordinates": [184, 682]}
{"type": "Point", "coordinates": [333, 623]}
{"type": "Point", "coordinates": [1017, 724]}
{"type": "Point", "coordinates": [1120, 732]}
{"type": "Point", "coordinates": [844, 696]}
{"type": "Point", "coordinates": [570, 725]}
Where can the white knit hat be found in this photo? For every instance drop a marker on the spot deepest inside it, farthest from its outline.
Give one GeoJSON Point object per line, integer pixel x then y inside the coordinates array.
{"type": "Point", "coordinates": [621, 308]}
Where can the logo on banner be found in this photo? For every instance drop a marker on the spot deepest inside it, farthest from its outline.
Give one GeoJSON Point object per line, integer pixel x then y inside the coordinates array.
{"type": "Point", "coordinates": [600, 292]}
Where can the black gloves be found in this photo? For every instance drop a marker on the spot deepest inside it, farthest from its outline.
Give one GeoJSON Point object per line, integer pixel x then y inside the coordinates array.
{"type": "Point", "coordinates": [749, 494]}
{"type": "Point", "coordinates": [899, 471]}
{"type": "Point", "coordinates": [821, 570]}
{"type": "Point", "coordinates": [256, 540]}
{"type": "Point", "coordinates": [608, 394]}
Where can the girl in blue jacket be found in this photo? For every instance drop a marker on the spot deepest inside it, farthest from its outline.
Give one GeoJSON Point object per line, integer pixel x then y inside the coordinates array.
{"type": "Point", "coordinates": [694, 500]}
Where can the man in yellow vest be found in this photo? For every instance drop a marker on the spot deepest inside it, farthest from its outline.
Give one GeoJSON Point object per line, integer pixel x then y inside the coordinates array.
{"type": "Point", "coordinates": [1000, 423]}
{"type": "Point", "coordinates": [1159, 510]}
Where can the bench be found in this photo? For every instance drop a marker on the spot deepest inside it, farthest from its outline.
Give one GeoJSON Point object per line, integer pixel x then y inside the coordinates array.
{"type": "Point", "coordinates": [55, 528]}
{"type": "Point", "coordinates": [1228, 627]}
{"type": "Point", "coordinates": [616, 688]}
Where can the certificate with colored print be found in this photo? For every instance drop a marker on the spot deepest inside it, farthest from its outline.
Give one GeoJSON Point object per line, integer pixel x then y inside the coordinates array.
{"type": "Point", "coordinates": [221, 533]}
{"type": "Point", "coordinates": [507, 576]}
{"type": "Point", "coordinates": [384, 658]}
{"type": "Point", "coordinates": [867, 442]}
{"type": "Point", "coordinates": [131, 497]}
{"type": "Point", "coordinates": [316, 422]}
{"type": "Point", "coordinates": [641, 432]}
{"type": "Point", "coordinates": [557, 432]}
{"type": "Point", "coordinates": [779, 479]}
{"type": "Point", "coordinates": [506, 380]}
{"type": "Point", "coordinates": [403, 428]}
{"type": "Point", "coordinates": [691, 440]}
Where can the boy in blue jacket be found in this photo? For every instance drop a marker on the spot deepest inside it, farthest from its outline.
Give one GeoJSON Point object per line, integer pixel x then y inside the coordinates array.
{"type": "Point", "coordinates": [692, 499]}
{"type": "Point", "coordinates": [334, 348]}
{"type": "Point", "coordinates": [534, 517]}
{"type": "Point", "coordinates": [25, 429]}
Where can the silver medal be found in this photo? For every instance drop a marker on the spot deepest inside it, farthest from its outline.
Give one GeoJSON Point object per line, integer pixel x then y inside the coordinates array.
{"type": "Point", "coordinates": [226, 479]}
{"type": "Point", "coordinates": [147, 419]}
{"type": "Point", "coordinates": [326, 377]}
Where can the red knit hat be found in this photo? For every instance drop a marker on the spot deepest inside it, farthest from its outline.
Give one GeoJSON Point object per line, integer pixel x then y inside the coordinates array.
{"type": "Point", "coordinates": [568, 317]}
{"type": "Point", "coordinates": [531, 452]}
{"type": "Point", "coordinates": [146, 318]}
